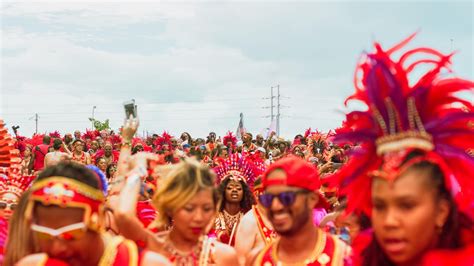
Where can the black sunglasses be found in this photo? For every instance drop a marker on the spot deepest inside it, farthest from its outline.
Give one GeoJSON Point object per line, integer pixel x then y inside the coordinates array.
{"type": "Point", "coordinates": [286, 198]}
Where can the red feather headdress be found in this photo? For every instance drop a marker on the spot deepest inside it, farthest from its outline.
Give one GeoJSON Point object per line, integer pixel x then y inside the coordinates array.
{"type": "Point", "coordinates": [229, 138]}
{"type": "Point", "coordinates": [55, 135]}
{"type": "Point", "coordinates": [426, 116]}
{"type": "Point", "coordinates": [91, 134]}
{"type": "Point", "coordinates": [164, 139]}
{"type": "Point", "coordinates": [238, 167]}
{"type": "Point", "coordinates": [36, 140]}
{"type": "Point", "coordinates": [115, 139]}
{"type": "Point", "coordinates": [11, 180]}
{"type": "Point", "coordinates": [9, 156]}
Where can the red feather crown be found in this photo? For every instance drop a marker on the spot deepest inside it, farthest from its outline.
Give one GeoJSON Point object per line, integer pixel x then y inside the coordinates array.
{"type": "Point", "coordinates": [55, 135]}
{"type": "Point", "coordinates": [91, 134]}
{"type": "Point", "coordinates": [238, 167]}
{"type": "Point", "coordinates": [401, 117]}
{"type": "Point", "coordinates": [229, 138]}
{"type": "Point", "coordinates": [164, 139]}
{"type": "Point", "coordinates": [9, 156]}
{"type": "Point", "coordinates": [11, 180]}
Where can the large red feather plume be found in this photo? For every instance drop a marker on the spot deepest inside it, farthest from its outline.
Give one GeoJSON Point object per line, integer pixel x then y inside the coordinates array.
{"type": "Point", "coordinates": [428, 114]}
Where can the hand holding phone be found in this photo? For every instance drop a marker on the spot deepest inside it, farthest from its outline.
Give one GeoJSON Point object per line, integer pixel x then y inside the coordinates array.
{"type": "Point", "coordinates": [130, 109]}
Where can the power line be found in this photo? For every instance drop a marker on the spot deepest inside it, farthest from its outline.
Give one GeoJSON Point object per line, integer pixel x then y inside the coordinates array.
{"type": "Point", "coordinates": [146, 104]}
{"type": "Point", "coordinates": [141, 111]}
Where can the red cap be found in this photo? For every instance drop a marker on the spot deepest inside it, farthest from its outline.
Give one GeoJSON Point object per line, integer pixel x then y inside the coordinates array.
{"type": "Point", "coordinates": [299, 173]}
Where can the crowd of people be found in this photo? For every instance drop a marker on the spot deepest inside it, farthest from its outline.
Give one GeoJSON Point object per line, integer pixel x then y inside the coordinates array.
{"type": "Point", "coordinates": [392, 186]}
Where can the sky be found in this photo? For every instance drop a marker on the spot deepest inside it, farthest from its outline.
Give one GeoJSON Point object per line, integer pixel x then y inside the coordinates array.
{"type": "Point", "coordinates": [196, 65]}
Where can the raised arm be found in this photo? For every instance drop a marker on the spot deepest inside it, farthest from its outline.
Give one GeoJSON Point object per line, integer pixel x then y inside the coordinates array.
{"type": "Point", "coordinates": [128, 131]}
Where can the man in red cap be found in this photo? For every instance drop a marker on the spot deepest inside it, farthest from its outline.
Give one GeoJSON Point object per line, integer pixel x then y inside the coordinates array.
{"type": "Point", "coordinates": [290, 193]}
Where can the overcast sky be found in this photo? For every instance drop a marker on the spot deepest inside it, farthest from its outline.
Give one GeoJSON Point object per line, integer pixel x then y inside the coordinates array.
{"type": "Point", "coordinates": [194, 66]}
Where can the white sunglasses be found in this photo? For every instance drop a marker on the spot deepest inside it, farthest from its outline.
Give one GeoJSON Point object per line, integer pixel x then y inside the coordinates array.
{"type": "Point", "coordinates": [69, 232]}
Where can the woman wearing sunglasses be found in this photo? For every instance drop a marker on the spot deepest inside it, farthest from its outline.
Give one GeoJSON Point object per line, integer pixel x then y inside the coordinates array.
{"type": "Point", "coordinates": [412, 171]}
{"type": "Point", "coordinates": [187, 202]}
{"type": "Point", "coordinates": [290, 194]}
{"type": "Point", "coordinates": [65, 217]}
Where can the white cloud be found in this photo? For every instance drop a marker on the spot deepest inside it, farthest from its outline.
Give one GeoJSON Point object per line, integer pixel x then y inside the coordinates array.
{"type": "Point", "coordinates": [177, 59]}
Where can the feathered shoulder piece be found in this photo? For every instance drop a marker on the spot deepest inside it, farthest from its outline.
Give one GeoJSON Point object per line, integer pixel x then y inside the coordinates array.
{"type": "Point", "coordinates": [238, 167]}
{"type": "Point", "coordinates": [427, 114]}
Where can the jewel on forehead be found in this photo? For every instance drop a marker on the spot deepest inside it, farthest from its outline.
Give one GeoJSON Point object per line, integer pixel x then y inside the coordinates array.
{"type": "Point", "coordinates": [58, 190]}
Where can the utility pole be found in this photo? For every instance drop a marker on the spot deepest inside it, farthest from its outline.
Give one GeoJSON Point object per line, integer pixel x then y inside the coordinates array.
{"type": "Point", "coordinates": [93, 113]}
{"type": "Point", "coordinates": [271, 103]}
{"type": "Point", "coordinates": [36, 121]}
{"type": "Point", "coordinates": [278, 111]}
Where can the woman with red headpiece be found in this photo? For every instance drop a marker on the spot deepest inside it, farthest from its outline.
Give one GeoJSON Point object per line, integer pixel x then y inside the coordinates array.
{"type": "Point", "coordinates": [412, 169]}
{"type": "Point", "coordinates": [235, 176]}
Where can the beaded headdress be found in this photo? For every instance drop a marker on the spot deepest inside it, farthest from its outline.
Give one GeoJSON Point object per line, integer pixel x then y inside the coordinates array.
{"type": "Point", "coordinates": [238, 167]}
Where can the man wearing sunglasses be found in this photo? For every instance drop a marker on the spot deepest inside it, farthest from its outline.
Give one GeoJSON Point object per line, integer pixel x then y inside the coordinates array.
{"type": "Point", "coordinates": [65, 213]}
{"type": "Point", "coordinates": [290, 194]}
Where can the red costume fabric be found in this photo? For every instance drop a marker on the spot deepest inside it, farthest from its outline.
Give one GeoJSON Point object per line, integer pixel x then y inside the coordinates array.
{"type": "Point", "coordinates": [40, 152]}
{"type": "Point", "coordinates": [145, 212]}
{"type": "Point", "coordinates": [266, 232]}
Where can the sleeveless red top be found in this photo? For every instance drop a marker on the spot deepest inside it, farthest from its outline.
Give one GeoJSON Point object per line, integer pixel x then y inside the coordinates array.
{"type": "Point", "coordinates": [40, 152]}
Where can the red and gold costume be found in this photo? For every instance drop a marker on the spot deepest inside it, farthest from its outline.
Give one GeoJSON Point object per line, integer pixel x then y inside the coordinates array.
{"type": "Point", "coordinates": [328, 251]}
{"type": "Point", "coordinates": [266, 231]}
{"type": "Point", "coordinates": [66, 192]}
{"type": "Point", "coordinates": [237, 168]}
{"type": "Point", "coordinates": [427, 115]}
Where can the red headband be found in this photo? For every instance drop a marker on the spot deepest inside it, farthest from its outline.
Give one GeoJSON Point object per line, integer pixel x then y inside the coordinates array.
{"type": "Point", "coordinates": [67, 192]}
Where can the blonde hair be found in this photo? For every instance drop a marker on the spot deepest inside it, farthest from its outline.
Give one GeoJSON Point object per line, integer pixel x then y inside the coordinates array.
{"type": "Point", "coordinates": [19, 242]}
{"type": "Point", "coordinates": [183, 181]}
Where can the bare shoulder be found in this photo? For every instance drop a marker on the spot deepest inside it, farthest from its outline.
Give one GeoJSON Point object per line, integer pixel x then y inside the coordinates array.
{"type": "Point", "coordinates": [155, 259]}
{"type": "Point", "coordinates": [225, 254]}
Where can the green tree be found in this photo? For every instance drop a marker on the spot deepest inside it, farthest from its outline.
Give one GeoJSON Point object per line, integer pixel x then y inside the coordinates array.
{"type": "Point", "coordinates": [100, 125]}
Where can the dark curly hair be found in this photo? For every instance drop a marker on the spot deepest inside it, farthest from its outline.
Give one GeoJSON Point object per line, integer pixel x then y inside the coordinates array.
{"type": "Point", "coordinates": [248, 199]}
